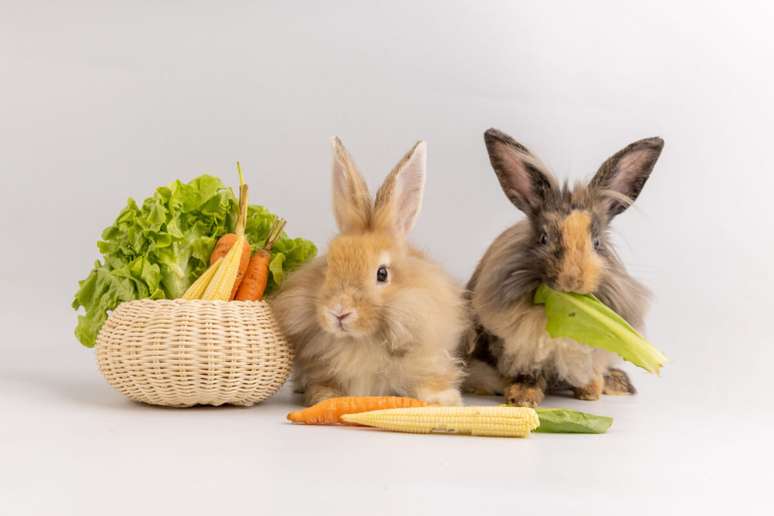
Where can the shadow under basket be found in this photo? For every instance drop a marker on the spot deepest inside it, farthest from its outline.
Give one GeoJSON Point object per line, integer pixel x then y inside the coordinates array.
{"type": "Point", "coordinates": [182, 353]}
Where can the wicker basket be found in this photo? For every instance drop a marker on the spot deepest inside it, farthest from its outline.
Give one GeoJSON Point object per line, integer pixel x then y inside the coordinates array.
{"type": "Point", "coordinates": [182, 353]}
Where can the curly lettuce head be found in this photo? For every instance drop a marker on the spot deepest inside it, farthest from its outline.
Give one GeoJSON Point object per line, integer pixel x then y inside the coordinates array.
{"type": "Point", "coordinates": [158, 249]}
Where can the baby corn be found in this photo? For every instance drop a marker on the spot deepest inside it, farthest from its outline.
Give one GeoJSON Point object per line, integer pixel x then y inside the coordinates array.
{"type": "Point", "coordinates": [483, 421]}
{"type": "Point", "coordinates": [219, 288]}
{"type": "Point", "coordinates": [197, 288]}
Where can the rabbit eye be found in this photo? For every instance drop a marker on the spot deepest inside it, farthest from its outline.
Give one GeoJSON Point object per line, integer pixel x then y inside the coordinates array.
{"type": "Point", "coordinates": [381, 274]}
{"type": "Point", "coordinates": [543, 239]}
{"type": "Point", "coordinates": [597, 244]}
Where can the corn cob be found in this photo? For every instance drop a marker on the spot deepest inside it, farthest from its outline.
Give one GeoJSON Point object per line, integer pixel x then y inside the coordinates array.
{"type": "Point", "coordinates": [484, 421]}
{"type": "Point", "coordinates": [219, 288]}
{"type": "Point", "coordinates": [197, 288]}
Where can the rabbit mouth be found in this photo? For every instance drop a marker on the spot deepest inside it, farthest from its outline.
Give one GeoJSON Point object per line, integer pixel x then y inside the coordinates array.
{"type": "Point", "coordinates": [340, 327]}
{"type": "Point", "coordinates": [575, 285]}
{"type": "Point", "coordinates": [340, 321]}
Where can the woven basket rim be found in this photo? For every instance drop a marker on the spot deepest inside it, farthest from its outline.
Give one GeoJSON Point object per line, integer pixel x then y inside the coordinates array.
{"type": "Point", "coordinates": [261, 302]}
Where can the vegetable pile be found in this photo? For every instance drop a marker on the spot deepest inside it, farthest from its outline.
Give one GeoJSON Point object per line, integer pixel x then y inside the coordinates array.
{"type": "Point", "coordinates": [401, 414]}
{"type": "Point", "coordinates": [157, 249]}
{"type": "Point", "coordinates": [233, 273]}
{"type": "Point", "coordinates": [585, 319]}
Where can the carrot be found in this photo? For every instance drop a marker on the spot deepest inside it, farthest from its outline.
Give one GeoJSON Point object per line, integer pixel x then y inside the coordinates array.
{"type": "Point", "coordinates": [256, 277]}
{"type": "Point", "coordinates": [244, 263]}
{"type": "Point", "coordinates": [329, 412]}
{"type": "Point", "coordinates": [226, 242]}
{"type": "Point", "coordinates": [222, 247]}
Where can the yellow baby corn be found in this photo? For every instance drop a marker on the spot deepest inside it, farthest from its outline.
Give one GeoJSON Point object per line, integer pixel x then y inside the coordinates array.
{"type": "Point", "coordinates": [219, 288]}
{"type": "Point", "coordinates": [197, 288]}
{"type": "Point", "coordinates": [484, 421]}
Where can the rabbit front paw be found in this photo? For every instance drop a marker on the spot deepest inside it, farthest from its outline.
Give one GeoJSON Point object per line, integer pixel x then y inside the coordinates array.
{"type": "Point", "coordinates": [317, 393]}
{"type": "Point", "coordinates": [524, 395]}
{"type": "Point", "coordinates": [526, 390]}
{"type": "Point", "coordinates": [447, 397]}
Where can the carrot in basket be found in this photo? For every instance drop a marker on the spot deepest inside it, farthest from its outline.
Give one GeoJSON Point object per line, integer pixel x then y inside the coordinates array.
{"type": "Point", "coordinates": [226, 242]}
{"type": "Point", "coordinates": [329, 412]}
{"type": "Point", "coordinates": [223, 246]}
{"type": "Point", "coordinates": [257, 275]}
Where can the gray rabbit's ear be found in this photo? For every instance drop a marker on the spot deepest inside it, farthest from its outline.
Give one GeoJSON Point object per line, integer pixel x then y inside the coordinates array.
{"type": "Point", "coordinates": [523, 178]}
{"type": "Point", "coordinates": [351, 200]}
{"type": "Point", "coordinates": [620, 179]}
{"type": "Point", "coordinates": [399, 200]}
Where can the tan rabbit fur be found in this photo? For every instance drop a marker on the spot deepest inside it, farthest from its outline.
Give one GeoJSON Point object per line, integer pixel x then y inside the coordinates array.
{"type": "Point", "coordinates": [374, 316]}
{"type": "Point", "coordinates": [563, 242]}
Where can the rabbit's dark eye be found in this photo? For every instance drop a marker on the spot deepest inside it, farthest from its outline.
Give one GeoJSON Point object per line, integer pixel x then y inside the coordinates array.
{"type": "Point", "coordinates": [543, 238]}
{"type": "Point", "coordinates": [597, 244]}
{"type": "Point", "coordinates": [381, 274]}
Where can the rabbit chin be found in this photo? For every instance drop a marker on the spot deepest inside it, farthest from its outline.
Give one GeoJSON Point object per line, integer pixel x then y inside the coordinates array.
{"type": "Point", "coordinates": [344, 332]}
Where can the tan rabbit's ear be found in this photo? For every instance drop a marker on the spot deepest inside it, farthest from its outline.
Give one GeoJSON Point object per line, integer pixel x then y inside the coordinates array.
{"type": "Point", "coordinates": [351, 200]}
{"type": "Point", "coordinates": [399, 199]}
{"type": "Point", "coordinates": [620, 179]}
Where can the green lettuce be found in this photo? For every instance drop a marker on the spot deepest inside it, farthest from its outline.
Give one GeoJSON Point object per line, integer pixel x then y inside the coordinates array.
{"type": "Point", "coordinates": [566, 421]}
{"type": "Point", "coordinates": [587, 320]}
{"type": "Point", "coordinates": [157, 249]}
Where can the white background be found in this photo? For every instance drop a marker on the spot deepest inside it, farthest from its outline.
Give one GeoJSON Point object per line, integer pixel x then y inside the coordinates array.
{"type": "Point", "coordinates": [100, 102]}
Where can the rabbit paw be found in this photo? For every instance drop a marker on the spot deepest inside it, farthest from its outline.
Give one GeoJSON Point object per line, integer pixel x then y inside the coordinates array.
{"type": "Point", "coordinates": [590, 392]}
{"type": "Point", "coordinates": [523, 395]}
{"type": "Point", "coordinates": [445, 397]}
{"type": "Point", "coordinates": [317, 393]}
{"type": "Point", "coordinates": [617, 383]}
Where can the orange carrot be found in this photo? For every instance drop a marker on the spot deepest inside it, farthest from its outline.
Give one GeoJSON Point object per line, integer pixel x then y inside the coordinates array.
{"type": "Point", "coordinates": [244, 263]}
{"type": "Point", "coordinates": [222, 247]}
{"type": "Point", "coordinates": [329, 412]}
{"type": "Point", "coordinates": [256, 277]}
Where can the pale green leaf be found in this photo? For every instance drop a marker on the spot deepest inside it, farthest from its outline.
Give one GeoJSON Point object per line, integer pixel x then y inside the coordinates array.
{"type": "Point", "coordinates": [585, 319]}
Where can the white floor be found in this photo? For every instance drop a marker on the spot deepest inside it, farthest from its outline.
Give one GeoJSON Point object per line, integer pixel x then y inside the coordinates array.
{"type": "Point", "coordinates": [69, 444]}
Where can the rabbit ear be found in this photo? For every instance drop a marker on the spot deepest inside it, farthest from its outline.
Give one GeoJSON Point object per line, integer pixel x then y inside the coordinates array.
{"type": "Point", "coordinates": [351, 200]}
{"type": "Point", "coordinates": [399, 199]}
{"type": "Point", "coordinates": [523, 178]}
{"type": "Point", "coordinates": [620, 179]}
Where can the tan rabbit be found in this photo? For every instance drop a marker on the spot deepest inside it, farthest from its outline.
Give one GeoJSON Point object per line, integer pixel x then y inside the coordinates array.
{"type": "Point", "coordinates": [374, 316]}
{"type": "Point", "coordinates": [564, 242]}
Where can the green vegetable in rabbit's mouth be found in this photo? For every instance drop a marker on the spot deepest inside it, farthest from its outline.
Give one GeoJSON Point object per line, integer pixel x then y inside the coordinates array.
{"type": "Point", "coordinates": [585, 319]}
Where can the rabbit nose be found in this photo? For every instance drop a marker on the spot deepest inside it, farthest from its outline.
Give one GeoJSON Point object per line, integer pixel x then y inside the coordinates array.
{"type": "Point", "coordinates": [339, 313]}
{"type": "Point", "coordinates": [341, 316]}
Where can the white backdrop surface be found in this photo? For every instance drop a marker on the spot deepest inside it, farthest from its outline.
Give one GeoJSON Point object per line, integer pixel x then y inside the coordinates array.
{"type": "Point", "coordinates": [100, 101]}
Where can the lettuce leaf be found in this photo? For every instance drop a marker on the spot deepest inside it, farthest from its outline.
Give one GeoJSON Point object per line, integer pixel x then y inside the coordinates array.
{"type": "Point", "coordinates": [157, 249]}
{"type": "Point", "coordinates": [566, 421]}
{"type": "Point", "coordinates": [587, 320]}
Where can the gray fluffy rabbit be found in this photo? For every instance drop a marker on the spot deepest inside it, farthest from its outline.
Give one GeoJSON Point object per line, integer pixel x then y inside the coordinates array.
{"type": "Point", "coordinates": [563, 242]}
